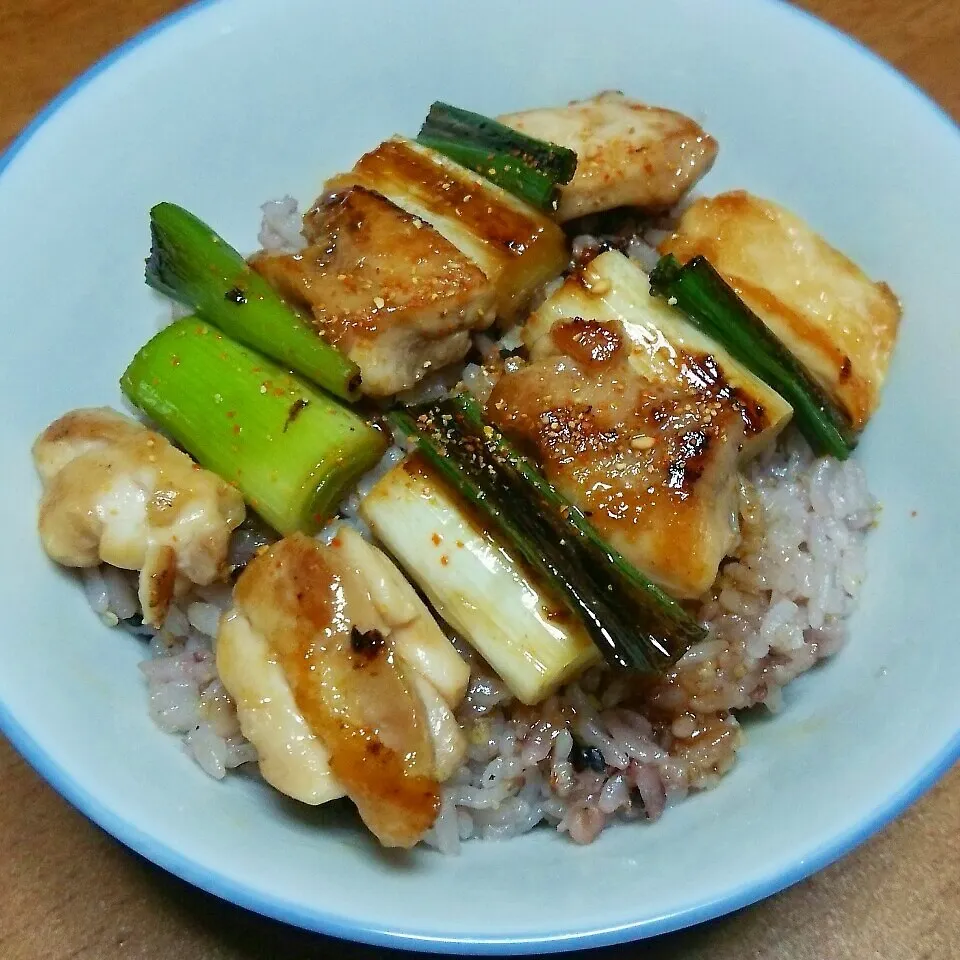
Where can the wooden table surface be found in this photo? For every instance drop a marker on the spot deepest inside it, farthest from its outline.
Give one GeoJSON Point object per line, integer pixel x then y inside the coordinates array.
{"type": "Point", "coordinates": [67, 890]}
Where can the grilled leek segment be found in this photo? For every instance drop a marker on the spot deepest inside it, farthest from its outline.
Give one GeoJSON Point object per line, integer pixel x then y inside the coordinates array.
{"type": "Point", "coordinates": [710, 303]}
{"type": "Point", "coordinates": [291, 450]}
{"type": "Point", "coordinates": [193, 265]}
{"type": "Point", "coordinates": [477, 585]}
{"type": "Point", "coordinates": [527, 167]}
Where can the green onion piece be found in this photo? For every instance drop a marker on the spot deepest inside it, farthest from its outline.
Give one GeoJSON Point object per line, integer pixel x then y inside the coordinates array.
{"type": "Point", "coordinates": [713, 306]}
{"type": "Point", "coordinates": [667, 623]}
{"type": "Point", "coordinates": [503, 169]}
{"type": "Point", "coordinates": [291, 450]}
{"type": "Point", "coordinates": [445, 122]}
{"type": "Point", "coordinates": [538, 536]}
{"type": "Point", "coordinates": [190, 263]}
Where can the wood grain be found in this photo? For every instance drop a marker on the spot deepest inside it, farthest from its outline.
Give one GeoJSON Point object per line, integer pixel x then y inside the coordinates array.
{"type": "Point", "coordinates": [67, 890]}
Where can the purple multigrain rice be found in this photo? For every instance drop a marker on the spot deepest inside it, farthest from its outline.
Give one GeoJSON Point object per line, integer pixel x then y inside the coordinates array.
{"type": "Point", "coordinates": [590, 755]}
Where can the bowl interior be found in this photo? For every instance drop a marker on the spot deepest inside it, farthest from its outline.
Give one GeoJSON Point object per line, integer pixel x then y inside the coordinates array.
{"type": "Point", "coordinates": [238, 102]}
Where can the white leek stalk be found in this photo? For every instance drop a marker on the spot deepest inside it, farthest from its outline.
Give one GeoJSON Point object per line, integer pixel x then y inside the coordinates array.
{"type": "Point", "coordinates": [475, 584]}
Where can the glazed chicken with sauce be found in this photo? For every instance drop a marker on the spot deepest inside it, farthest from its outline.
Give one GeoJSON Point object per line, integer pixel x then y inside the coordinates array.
{"type": "Point", "coordinates": [115, 492]}
{"type": "Point", "coordinates": [629, 154]}
{"type": "Point", "coordinates": [653, 464]}
{"type": "Point", "coordinates": [638, 421]}
{"type": "Point", "coordinates": [409, 253]}
{"type": "Point", "coordinates": [837, 321]}
{"type": "Point", "coordinates": [344, 682]}
{"type": "Point", "coordinates": [661, 344]}
{"type": "Point", "coordinates": [384, 287]}
{"type": "Point", "coordinates": [516, 247]}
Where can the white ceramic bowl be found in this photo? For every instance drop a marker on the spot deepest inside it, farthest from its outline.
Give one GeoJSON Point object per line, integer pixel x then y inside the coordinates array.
{"type": "Point", "coordinates": [236, 101]}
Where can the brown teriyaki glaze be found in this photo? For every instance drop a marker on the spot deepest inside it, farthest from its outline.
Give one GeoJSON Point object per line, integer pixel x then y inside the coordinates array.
{"type": "Point", "coordinates": [587, 341]}
{"type": "Point", "coordinates": [704, 375]}
{"type": "Point", "coordinates": [509, 228]}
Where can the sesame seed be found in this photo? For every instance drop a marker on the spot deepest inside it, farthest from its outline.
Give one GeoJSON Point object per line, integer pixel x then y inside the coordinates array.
{"type": "Point", "coordinates": [378, 302]}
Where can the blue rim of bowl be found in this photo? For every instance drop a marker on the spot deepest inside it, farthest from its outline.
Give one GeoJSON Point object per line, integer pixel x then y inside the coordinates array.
{"type": "Point", "coordinates": [470, 943]}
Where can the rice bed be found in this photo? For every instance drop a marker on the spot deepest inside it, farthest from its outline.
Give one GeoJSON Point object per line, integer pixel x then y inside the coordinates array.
{"type": "Point", "coordinates": [600, 750]}
{"type": "Point", "coordinates": [596, 752]}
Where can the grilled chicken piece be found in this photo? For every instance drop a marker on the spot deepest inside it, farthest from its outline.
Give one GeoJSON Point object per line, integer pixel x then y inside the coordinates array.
{"type": "Point", "coordinates": [651, 460]}
{"type": "Point", "coordinates": [662, 345]}
{"type": "Point", "coordinates": [628, 154]}
{"type": "Point", "coordinates": [118, 493]}
{"type": "Point", "coordinates": [291, 756]}
{"type": "Point", "coordinates": [841, 325]}
{"type": "Point", "coordinates": [386, 288]}
{"type": "Point", "coordinates": [516, 247]}
{"type": "Point", "coordinates": [344, 682]}
{"type": "Point", "coordinates": [409, 253]}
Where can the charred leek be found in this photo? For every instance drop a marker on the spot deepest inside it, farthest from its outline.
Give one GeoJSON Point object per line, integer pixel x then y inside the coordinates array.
{"type": "Point", "coordinates": [193, 265]}
{"type": "Point", "coordinates": [528, 168]}
{"type": "Point", "coordinates": [710, 303]}
{"type": "Point", "coordinates": [669, 625]}
{"type": "Point", "coordinates": [623, 631]}
{"type": "Point", "coordinates": [475, 582]}
{"type": "Point", "coordinates": [463, 126]}
{"type": "Point", "coordinates": [291, 450]}
{"type": "Point", "coordinates": [503, 169]}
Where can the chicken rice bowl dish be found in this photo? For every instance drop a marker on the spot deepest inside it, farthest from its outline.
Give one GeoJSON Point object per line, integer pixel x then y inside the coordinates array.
{"type": "Point", "coordinates": [492, 489]}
